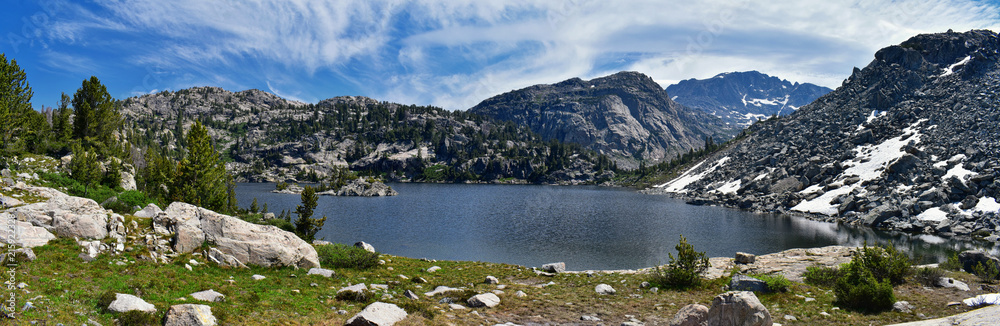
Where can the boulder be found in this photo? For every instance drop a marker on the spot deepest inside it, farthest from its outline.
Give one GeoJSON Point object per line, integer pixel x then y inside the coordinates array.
{"type": "Point", "coordinates": [26, 235]}
{"type": "Point", "coordinates": [971, 258]}
{"type": "Point", "coordinates": [224, 259]}
{"type": "Point", "coordinates": [128, 302]}
{"type": "Point", "coordinates": [604, 289]}
{"type": "Point", "coordinates": [378, 314]}
{"type": "Point", "coordinates": [440, 289]}
{"type": "Point", "coordinates": [190, 315]}
{"type": "Point", "coordinates": [902, 306]}
{"type": "Point", "coordinates": [356, 288]}
{"type": "Point", "coordinates": [9, 201]}
{"type": "Point", "coordinates": [149, 211]}
{"type": "Point", "coordinates": [738, 308]}
{"type": "Point", "coordinates": [747, 283]}
{"type": "Point", "coordinates": [321, 272]}
{"type": "Point", "coordinates": [127, 181]}
{"type": "Point", "coordinates": [66, 216]}
{"type": "Point", "coordinates": [559, 267]}
{"type": "Point", "coordinates": [483, 300]}
{"type": "Point", "coordinates": [433, 269]}
{"type": "Point", "coordinates": [491, 280]}
{"type": "Point", "coordinates": [366, 246]}
{"type": "Point", "coordinates": [947, 282]}
{"type": "Point", "coordinates": [691, 315]}
{"type": "Point", "coordinates": [745, 258]}
{"type": "Point", "coordinates": [360, 187]}
{"type": "Point", "coordinates": [209, 296]}
{"type": "Point", "coordinates": [409, 294]}
{"type": "Point", "coordinates": [262, 245]}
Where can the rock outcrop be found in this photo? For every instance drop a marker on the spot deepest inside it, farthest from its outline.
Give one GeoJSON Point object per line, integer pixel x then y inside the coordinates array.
{"type": "Point", "coordinates": [25, 234]}
{"type": "Point", "coordinates": [66, 216]}
{"type": "Point", "coordinates": [738, 308]}
{"type": "Point", "coordinates": [626, 116]}
{"type": "Point", "coordinates": [128, 302]}
{"type": "Point", "coordinates": [907, 143]}
{"type": "Point", "coordinates": [190, 315]}
{"type": "Point", "coordinates": [378, 314]}
{"type": "Point", "coordinates": [262, 245]}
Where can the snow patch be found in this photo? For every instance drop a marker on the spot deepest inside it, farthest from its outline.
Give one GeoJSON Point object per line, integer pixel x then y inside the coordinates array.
{"type": "Point", "coordinates": [987, 204]}
{"type": "Point", "coordinates": [730, 187]}
{"type": "Point", "coordinates": [958, 171]}
{"type": "Point", "coordinates": [868, 164]}
{"type": "Point", "coordinates": [871, 117]}
{"type": "Point", "coordinates": [951, 69]}
{"type": "Point", "coordinates": [934, 214]}
{"type": "Point", "coordinates": [689, 177]}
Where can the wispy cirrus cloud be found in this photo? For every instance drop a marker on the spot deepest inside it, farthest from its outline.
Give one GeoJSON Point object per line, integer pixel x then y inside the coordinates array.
{"type": "Point", "coordinates": [456, 53]}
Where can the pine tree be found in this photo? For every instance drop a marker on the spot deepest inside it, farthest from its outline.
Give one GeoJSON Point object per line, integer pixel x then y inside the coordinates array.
{"type": "Point", "coordinates": [201, 178]}
{"type": "Point", "coordinates": [84, 168]}
{"type": "Point", "coordinates": [253, 206]}
{"type": "Point", "coordinates": [97, 116]}
{"type": "Point", "coordinates": [15, 101]}
{"type": "Point", "coordinates": [264, 209]}
{"type": "Point", "coordinates": [306, 226]}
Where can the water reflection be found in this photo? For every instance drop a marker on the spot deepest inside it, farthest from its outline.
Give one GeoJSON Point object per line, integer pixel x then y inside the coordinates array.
{"type": "Point", "coordinates": [587, 227]}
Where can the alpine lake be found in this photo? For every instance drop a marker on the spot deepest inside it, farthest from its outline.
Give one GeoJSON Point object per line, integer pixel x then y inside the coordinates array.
{"type": "Point", "coordinates": [588, 227]}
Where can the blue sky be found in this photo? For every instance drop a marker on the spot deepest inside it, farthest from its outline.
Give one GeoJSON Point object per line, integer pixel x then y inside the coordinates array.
{"type": "Point", "coordinates": [451, 54]}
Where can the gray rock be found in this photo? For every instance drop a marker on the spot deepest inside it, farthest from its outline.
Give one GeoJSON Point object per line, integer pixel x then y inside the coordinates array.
{"type": "Point", "coordinates": [9, 201]}
{"type": "Point", "coordinates": [209, 296]}
{"type": "Point", "coordinates": [127, 181]}
{"type": "Point", "coordinates": [411, 295]}
{"type": "Point", "coordinates": [441, 289]}
{"type": "Point", "coordinates": [690, 315]}
{"type": "Point", "coordinates": [257, 277]}
{"type": "Point", "coordinates": [484, 300]}
{"type": "Point", "coordinates": [604, 289]}
{"type": "Point", "coordinates": [361, 187]}
{"type": "Point", "coordinates": [790, 318]}
{"type": "Point", "coordinates": [190, 315]}
{"type": "Point", "coordinates": [738, 308]}
{"type": "Point", "coordinates": [364, 245]}
{"type": "Point", "coordinates": [149, 211]}
{"type": "Point", "coordinates": [321, 272]}
{"type": "Point", "coordinates": [223, 259]}
{"type": "Point", "coordinates": [491, 280]}
{"type": "Point", "coordinates": [520, 294]}
{"type": "Point", "coordinates": [947, 282]}
{"type": "Point", "coordinates": [378, 314]}
{"type": "Point", "coordinates": [989, 315]}
{"type": "Point", "coordinates": [433, 269]}
{"type": "Point", "coordinates": [455, 306]}
{"type": "Point", "coordinates": [356, 288]}
{"type": "Point", "coordinates": [902, 306]}
{"type": "Point", "coordinates": [589, 318]}
{"type": "Point", "coordinates": [128, 302]}
{"type": "Point", "coordinates": [262, 245]}
{"type": "Point", "coordinates": [745, 258]}
{"type": "Point", "coordinates": [559, 267]}
{"type": "Point", "coordinates": [28, 235]}
{"type": "Point", "coordinates": [747, 283]}
{"type": "Point", "coordinates": [66, 216]}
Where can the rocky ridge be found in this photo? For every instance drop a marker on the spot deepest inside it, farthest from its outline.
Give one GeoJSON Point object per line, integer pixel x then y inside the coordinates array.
{"type": "Point", "coordinates": [740, 98]}
{"type": "Point", "coordinates": [908, 143]}
{"type": "Point", "coordinates": [625, 115]}
{"type": "Point", "coordinates": [271, 139]}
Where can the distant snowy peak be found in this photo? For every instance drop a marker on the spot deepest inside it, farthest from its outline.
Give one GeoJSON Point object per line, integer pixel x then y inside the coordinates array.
{"type": "Point", "coordinates": [740, 98]}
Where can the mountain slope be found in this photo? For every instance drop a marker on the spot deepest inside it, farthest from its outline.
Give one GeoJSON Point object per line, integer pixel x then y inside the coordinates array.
{"type": "Point", "coordinates": [626, 115]}
{"type": "Point", "coordinates": [910, 142]}
{"type": "Point", "coordinates": [272, 139]}
{"type": "Point", "coordinates": [740, 98]}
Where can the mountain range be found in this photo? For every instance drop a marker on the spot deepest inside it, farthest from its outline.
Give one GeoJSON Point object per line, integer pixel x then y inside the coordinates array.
{"type": "Point", "coordinates": [910, 142]}
{"type": "Point", "coordinates": [740, 98]}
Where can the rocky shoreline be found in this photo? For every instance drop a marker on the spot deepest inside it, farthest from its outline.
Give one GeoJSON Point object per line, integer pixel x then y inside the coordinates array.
{"type": "Point", "coordinates": [356, 188]}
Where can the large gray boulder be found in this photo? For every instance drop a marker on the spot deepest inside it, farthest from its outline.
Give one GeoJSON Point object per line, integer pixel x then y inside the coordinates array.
{"type": "Point", "coordinates": [378, 314]}
{"type": "Point", "coordinates": [971, 258]}
{"type": "Point", "coordinates": [149, 211]}
{"type": "Point", "coordinates": [128, 302]}
{"type": "Point", "coordinates": [66, 216]}
{"type": "Point", "coordinates": [190, 315]}
{"type": "Point", "coordinates": [25, 234]}
{"type": "Point", "coordinates": [262, 245]}
{"type": "Point", "coordinates": [209, 296]}
{"type": "Point", "coordinates": [559, 267]}
{"type": "Point", "coordinates": [691, 315]}
{"type": "Point", "coordinates": [738, 308]}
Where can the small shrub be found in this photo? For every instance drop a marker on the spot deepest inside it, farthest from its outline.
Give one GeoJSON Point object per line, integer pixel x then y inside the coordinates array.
{"type": "Point", "coordinates": [138, 318]}
{"type": "Point", "coordinates": [133, 198]}
{"type": "Point", "coordinates": [106, 299]}
{"type": "Point", "coordinates": [683, 271]}
{"type": "Point", "coordinates": [884, 263]}
{"type": "Point", "coordinates": [775, 282]}
{"type": "Point", "coordinates": [344, 256]}
{"type": "Point", "coordinates": [821, 276]}
{"type": "Point", "coordinates": [364, 297]}
{"type": "Point", "coordinates": [987, 273]}
{"type": "Point", "coordinates": [858, 289]}
{"type": "Point", "coordinates": [929, 276]}
{"type": "Point", "coordinates": [952, 263]}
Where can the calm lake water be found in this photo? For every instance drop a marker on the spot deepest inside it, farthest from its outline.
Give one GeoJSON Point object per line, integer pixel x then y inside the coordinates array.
{"type": "Point", "coordinates": [586, 227]}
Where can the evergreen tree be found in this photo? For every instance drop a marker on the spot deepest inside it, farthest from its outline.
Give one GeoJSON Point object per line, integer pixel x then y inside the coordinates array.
{"type": "Point", "coordinates": [15, 101]}
{"type": "Point", "coordinates": [264, 209]}
{"type": "Point", "coordinates": [84, 168]}
{"type": "Point", "coordinates": [201, 178]}
{"type": "Point", "coordinates": [306, 226]}
{"type": "Point", "coordinates": [97, 117]}
{"type": "Point", "coordinates": [253, 206]}
{"type": "Point", "coordinates": [62, 127]}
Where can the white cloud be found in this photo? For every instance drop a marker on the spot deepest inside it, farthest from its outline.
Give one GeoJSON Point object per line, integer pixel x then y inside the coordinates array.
{"type": "Point", "coordinates": [456, 53]}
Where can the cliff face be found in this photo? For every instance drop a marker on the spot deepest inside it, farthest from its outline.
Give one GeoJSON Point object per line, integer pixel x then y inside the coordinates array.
{"type": "Point", "coordinates": [626, 115]}
{"type": "Point", "coordinates": [740, 98]}
{"type": "Point", "coordinates": [910, 142]}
